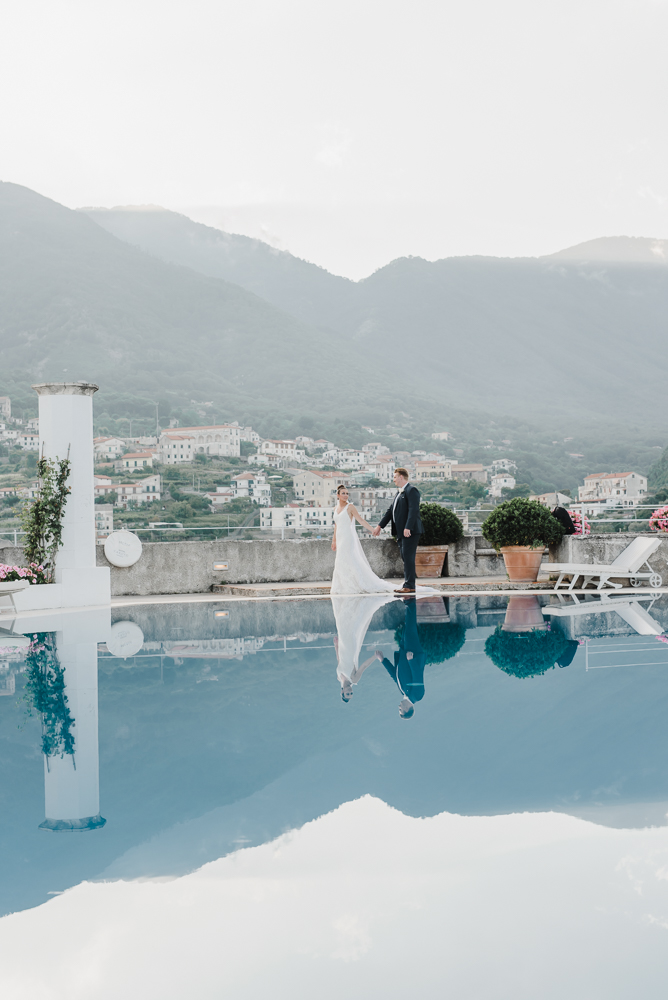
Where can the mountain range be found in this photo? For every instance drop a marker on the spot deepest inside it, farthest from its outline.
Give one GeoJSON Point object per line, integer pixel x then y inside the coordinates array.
{"type": "Point", "coordinates": [154, 306]}
{"type": "Point", "coordinates": [497, 333]}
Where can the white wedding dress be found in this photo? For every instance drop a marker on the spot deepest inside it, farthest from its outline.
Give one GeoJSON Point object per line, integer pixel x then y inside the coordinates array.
{"type": "Point", "coordinates": [352, 573]}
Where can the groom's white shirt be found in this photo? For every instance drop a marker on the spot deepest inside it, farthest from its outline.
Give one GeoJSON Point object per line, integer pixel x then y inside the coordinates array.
{"type": "Point", "coordinates": [399, 492]}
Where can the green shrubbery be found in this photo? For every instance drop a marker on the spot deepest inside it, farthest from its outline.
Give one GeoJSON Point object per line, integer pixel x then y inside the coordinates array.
{"type": "Point", "coordinates": [524, 654]}
{"type": "Point", "coordinates": [441, 525]}
{"type": "Point", "coordinates": [521, 522]}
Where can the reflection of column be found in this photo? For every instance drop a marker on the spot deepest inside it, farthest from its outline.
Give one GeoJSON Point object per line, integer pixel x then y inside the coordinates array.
{"type": "Point", "coordinates": [66, 426]}
{"type": "Point", "coordinates": [72, 783]}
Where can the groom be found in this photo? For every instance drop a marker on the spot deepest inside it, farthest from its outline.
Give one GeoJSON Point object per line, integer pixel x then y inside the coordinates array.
{"type": "Point", "coordinates": [406, 527]}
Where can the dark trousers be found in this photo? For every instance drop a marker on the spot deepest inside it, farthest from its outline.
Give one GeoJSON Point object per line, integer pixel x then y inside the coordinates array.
{"type": "Point", "coordinates": [407, 548]}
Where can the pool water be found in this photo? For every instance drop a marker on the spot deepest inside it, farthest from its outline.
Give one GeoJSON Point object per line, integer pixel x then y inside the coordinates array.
{"type": "Point", "coordinates": [258, 835]}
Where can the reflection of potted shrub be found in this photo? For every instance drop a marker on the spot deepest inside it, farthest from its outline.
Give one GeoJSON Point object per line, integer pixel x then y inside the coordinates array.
{"type": "Point", "coordinates": [439, 642]}
{"type": "Point", "coordinates": [520, 529]}
{"type": "Point", "coordinates": [524, 614]}
{"type": "Point", "coordinates": [441, 528]}
{"type": "Point", "coordinates": [525, 654]}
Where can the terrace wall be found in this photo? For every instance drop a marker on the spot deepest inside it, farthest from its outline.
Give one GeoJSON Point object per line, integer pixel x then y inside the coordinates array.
{"type": "Point", "coordinates": [187, 567]}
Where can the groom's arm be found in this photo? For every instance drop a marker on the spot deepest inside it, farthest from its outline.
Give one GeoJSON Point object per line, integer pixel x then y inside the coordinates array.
{"type": "Point", "coordinates": [386, 518]}
{"type": "Point", "coordinates": [413, 508]}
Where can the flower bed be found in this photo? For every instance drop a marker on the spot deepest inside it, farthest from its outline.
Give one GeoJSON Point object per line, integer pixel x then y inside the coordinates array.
{"type": "Point", "coordinates": [659, 520]}
{"type": "Point", "coordinates": [32, 573]}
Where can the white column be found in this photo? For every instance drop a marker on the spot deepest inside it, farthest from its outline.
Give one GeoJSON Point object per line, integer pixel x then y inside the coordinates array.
{"type": "Point", "coordinates": [72, 783]}
{"type": "Point", "coordinates": [66, 426]}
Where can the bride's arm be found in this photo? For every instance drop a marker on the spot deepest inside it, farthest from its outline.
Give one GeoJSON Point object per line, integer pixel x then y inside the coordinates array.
{"type": "Point", "coordinates": [354, 514]}
{"type": "Point", "coordinates": [334, 540]}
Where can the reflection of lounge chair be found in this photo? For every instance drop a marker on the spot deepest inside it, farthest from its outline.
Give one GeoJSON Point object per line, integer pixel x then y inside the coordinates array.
{"type": "Point", "coordinates": [627, 608]}
{"type": "Point", "coordinates": [9, 589]}
{"type": "Point", "coordinates": [627, 564]}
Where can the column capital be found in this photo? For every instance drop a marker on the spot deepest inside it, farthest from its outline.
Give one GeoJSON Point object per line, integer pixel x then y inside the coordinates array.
{"type": "Point", "coordinates": [65, 388]}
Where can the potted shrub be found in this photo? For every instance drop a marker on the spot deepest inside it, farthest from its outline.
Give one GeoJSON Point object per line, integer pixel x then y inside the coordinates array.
{"type": "Point", "coordinates": [440, 642]}
{"type": "Point", "coordinates": [520, 529]}
{"type": "Point", "coordinates": [525, 654]}
{"type": "Point", "coordinates": [441, 528]}
{"type": "Point", "coordinates": [524, 614]}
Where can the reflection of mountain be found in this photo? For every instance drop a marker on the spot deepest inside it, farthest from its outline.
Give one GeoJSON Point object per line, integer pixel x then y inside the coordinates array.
{"type": "Point", "coordinates": [198, 757]}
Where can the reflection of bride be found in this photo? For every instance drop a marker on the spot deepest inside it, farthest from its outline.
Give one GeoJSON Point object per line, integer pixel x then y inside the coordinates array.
{"type": "Point", "coordinates": [353, 616]}
{"type": "Point", "coordinates": [352, 572]}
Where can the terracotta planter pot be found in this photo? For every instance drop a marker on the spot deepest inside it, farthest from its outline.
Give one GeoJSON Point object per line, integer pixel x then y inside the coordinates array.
{"type": "Point", "coordinates": [522, 563]}
{"type": "Point", "coordinates": [429, 560]}
{"type": "Point", "coordinates": [524, 615]}
{"type": "Point", "coordinates": [432, 609]}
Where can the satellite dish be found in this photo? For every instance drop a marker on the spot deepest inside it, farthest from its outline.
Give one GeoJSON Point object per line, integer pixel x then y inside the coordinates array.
{"type": "Point", "coordinates": [125, 639]}
{"type": "Point", "coordinates": [122, 548]}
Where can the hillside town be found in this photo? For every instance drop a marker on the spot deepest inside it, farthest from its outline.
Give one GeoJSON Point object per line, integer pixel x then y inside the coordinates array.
{"type": "Point", "coordinates": [135, 473]}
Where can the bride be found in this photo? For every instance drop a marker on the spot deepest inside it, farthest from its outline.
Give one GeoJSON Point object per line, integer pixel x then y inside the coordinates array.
{"type": "Point", "coordinates": [352, 573]}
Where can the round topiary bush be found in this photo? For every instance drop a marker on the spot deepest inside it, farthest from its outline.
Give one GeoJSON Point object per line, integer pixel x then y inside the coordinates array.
{"type": "Point", "coordinates": [441, 525]}
{"type": "Point", "coordinates": [524, 654]}
{"type": "Point", "coordinates": [440, 641]}
{"type": "Point", "coordinates": [521, 522]}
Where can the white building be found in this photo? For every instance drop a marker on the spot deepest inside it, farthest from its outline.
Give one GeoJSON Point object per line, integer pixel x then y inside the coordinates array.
{"type": "Point", "coordinates": [324, 445]}
{"type": "Point", "coordinates": [134, 460]}
{"type": "Point", "coordinates": [316, 487]}
{"type": "Point", "coordinates": [28, 440]}
{"type": "Point", "coordinates": [297, 518]}
{"type": "Point", "coordinates": [223, 440]}
{"type": "Point", "coordinates": [104, 521]}
{"type": "Point", "coordinates": [254, 486]}
{"type": "Point", "coordinates": [351, 459]}
{"type": "Point", "coordinates": [305, 442]}
{"type": "Point", "coordinates": [5, 407]}
{"type": "Point", "coordinates": [374, 448]}
{"type": "Point", "coordinates": [222, 496]}
{"type": "Point", "coordinates": [505, 464]}
{"type": "Point", "coordinates": [552, 500]}
{"type": "Point", "coordinates": [284, 449]}
{"type": "Point", "coordinates": [248, 434]}
{"type": "Point", "coordinates": [442, 436]}
{"type": "Point", "coordinates": [500, 482]}
{"type": "Point", "coordinates": [175, 448]}
{"type": "Point", "coordinates": [141, 491]}
{"type": "Point", "coordinates": [370, 500]}
{"type": "Point", "coordinates": [430, 469]}
{"type": "Point", "coordinates": [108, 448]}
{"type": "Point", "coordinates": [381, 467]}
{"type": "Point", "coordinates": [270, 461]}
{"type": "Point", "coordinates": [625, 488]}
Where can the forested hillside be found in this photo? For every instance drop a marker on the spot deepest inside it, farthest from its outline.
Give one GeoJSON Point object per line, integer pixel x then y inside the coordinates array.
{"type": "Point", "coordinates": [556, 339]}
{"type": "Point", "coordinates": [77, 303]}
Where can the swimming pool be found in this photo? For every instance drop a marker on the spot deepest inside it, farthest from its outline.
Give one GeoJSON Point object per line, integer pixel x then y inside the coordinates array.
{"type": "Point", "coordinates": [296, 840]}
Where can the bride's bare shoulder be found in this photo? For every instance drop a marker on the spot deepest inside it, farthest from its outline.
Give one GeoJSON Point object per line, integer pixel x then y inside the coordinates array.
{"type": "Point", "coordinates": [352, 510]}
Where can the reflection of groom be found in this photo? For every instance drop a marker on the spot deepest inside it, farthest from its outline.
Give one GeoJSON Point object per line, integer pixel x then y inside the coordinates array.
{"type": "Point", "coordinates": [406, 526]}
{"type": "Point", "coordinates": [408, 667]}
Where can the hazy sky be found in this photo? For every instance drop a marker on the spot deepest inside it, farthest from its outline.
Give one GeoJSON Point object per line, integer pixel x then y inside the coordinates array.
{"type": "Point", "coordinates": [349, 133]}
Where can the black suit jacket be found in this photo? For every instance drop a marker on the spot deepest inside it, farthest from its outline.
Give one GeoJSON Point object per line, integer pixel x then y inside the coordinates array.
{"type": "Point", "coordinates": [407, 514]}
{"type": "Point", "coordinates": [408, 674]}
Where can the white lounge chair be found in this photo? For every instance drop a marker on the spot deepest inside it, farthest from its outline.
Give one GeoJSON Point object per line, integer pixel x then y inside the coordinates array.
{"type": "Point", "coordinates": [627, 564]}
{"type": "Point", "coordinates": [9, 589]}
{"type": "Point", "coordinates": [627, 608]}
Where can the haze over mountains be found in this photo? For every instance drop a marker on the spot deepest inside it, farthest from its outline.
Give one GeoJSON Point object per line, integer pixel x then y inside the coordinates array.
{"type": "Point", "coordinates": [493, 332]}
{"type": "Point", "coordinates": [154, 306]}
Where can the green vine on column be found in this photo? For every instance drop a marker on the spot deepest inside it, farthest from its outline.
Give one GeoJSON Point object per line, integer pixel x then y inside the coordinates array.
{"type": "Point", "coordinates": [42, 519]}
{"type": "Point", "coordinates": [45, 694]}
